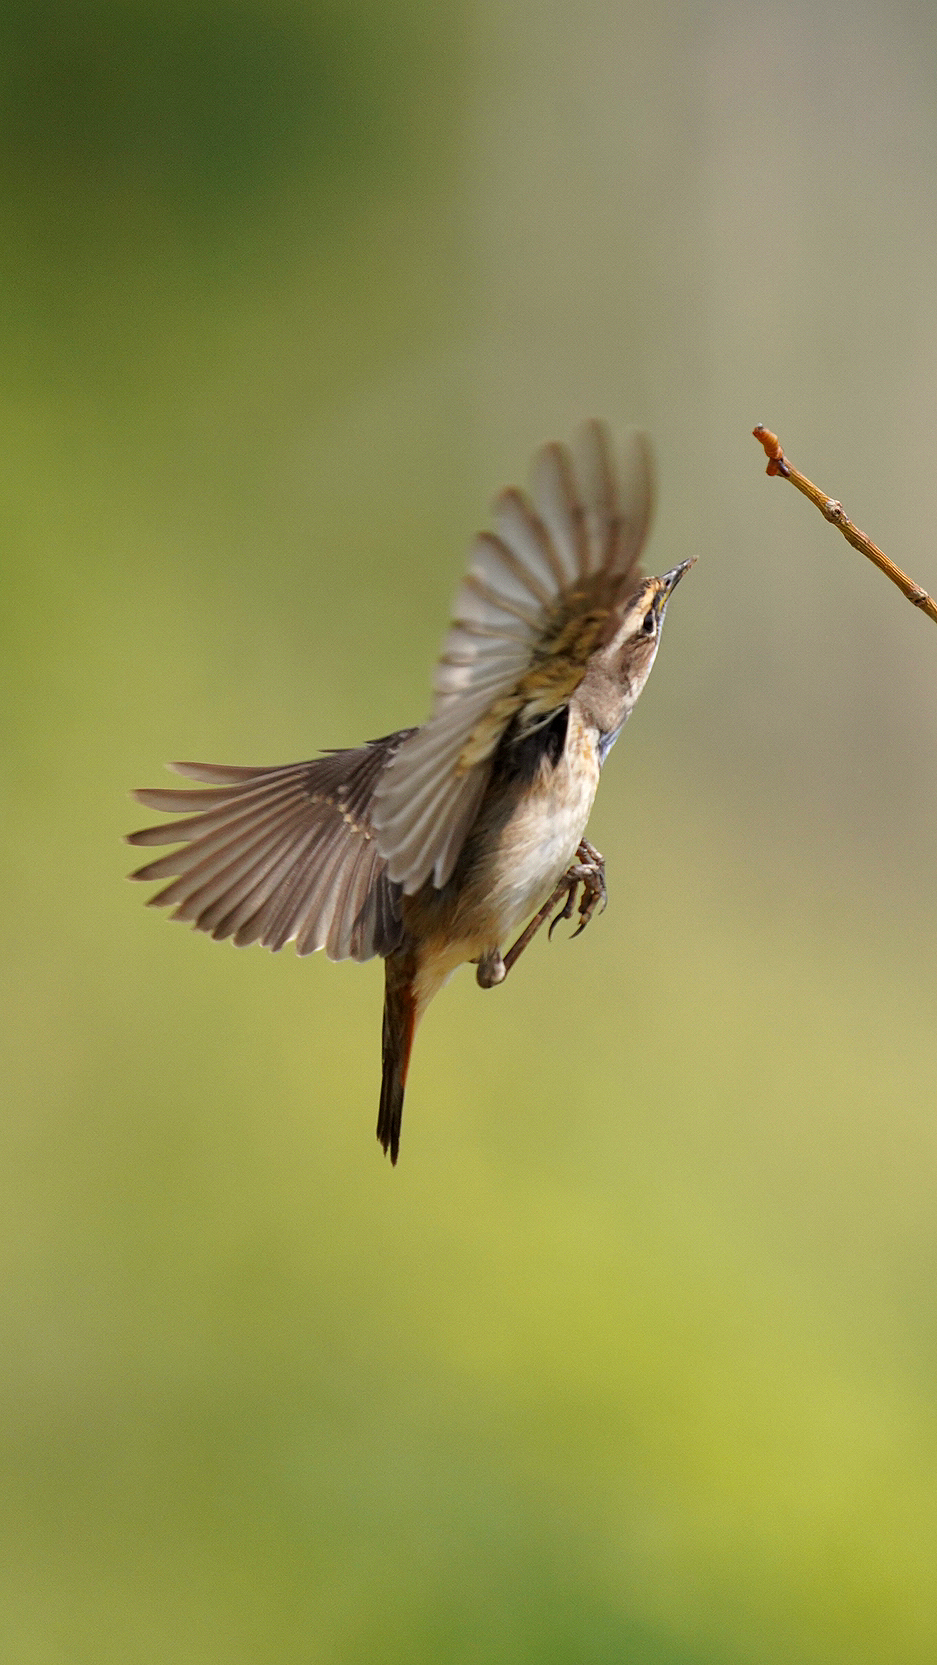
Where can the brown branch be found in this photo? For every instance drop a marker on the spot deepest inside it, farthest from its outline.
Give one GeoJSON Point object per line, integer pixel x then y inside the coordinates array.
{"type": "Point", "coordinates": [834, 512]}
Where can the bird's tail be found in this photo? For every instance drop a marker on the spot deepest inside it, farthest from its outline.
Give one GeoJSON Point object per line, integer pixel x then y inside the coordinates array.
{"type": "Point", "coordinates": [400, 1019]}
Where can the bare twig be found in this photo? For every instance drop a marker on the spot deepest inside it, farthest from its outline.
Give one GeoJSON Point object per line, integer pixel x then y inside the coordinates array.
{"type": "Point", "coordinates": [834, 512]}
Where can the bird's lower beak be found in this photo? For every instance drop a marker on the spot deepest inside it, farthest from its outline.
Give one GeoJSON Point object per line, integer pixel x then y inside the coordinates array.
{"type": "Point", "coordinates": [670, 580]}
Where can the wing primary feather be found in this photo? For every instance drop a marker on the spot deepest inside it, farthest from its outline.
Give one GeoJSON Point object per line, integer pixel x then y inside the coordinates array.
{"type": "Point", "coordinates": [254, 926]}
{"type": "Point", "coordinates": [172, 799]}
{"type": "Point", "coordinates": [462, 647]}
{"type": "Point", "coordinates": [312, 924]}
{"type": "Point", "coordinates": [434, 750]}
{"type": "Point", "coordinates": [309, 859]}
{"type": "Point", "coordinates": [284, 916]}
{"type": "Point", "coordinates": [453, 680]}
{"type": "Point", "coordinates": [494, 600]}
{"type": "Point", "coordinates": [635, 498]}
{"type": "Point", "coordinates": [560, 510]}
{"type": "Point", "coordinates": [240, 914]}
{"type": "Point", "coordinates": [207, 883]}
{"type": "Point", "coordinates": [361, 943]}
{"type": "Point", "coordinates": [217, 825]}
{"type": "Point", "coordinates": [368, 936]}
{"type": "Point", "coordinates": [523, 532]}
{"type": "Point", "coordinates": [223, 773]}
{"type": "Point", "coordinates": [343, 915]}
{"type": "Point", "coordinates": [242, 901]}
{"type": "Point", "coordinates": [461, 822]}
{"type": "Point", "coordinates": [595, 469]}
{"type": "Point", "coordinates": [496, 564]}
{"type": "Point", "coordinates": [315, 929]}
{"type": "Point", "coordinates": [224, 819]}
{"type": "Point", "coordinates": [388, 925]}
{"type": "Point", "coordinates": [418, 851]}
{"type": "Point", "coordinates": [488, 632]}
{"type": "Point", "coordinates": [495, 561]}
{"type": "Point", "coordinates": [217, 839]}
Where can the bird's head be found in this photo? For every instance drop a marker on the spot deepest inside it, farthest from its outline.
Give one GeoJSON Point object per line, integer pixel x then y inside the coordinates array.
{"type": "Point", "coordinates": [619, 669]}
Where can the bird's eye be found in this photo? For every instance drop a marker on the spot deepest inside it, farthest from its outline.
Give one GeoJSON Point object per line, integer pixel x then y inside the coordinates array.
{"type": "Point", "coordinates": [649, 623]}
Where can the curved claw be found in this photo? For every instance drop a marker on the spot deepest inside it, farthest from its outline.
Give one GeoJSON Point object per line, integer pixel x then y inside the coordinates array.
{"type": "Point", "coordinates": [566, 911]}
{"type": "Point", "coordinates": [590, 873]}
{"type": "Point", "coordinates": [592, 894]}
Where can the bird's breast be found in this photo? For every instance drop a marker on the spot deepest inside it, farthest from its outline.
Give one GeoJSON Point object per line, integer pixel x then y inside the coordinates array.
{"type": "Point", "coordinates": [526, 836]}
{"type": "Point", "coordinates": [540, 836]}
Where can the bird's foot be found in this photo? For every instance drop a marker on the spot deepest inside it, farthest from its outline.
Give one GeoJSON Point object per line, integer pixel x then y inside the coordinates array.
{"type": "Point", "coordinates": [589, 872]}
{"type": "Point", "coordinates": [491, 970]}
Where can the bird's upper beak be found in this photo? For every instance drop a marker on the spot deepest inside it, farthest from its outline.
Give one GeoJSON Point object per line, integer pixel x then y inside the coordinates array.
{"type": "Point", "coordinates": [669, 580]}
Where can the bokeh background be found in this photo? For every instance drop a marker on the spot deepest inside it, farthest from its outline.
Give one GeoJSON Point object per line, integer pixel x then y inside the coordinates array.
{"type": "Point", "coordinates": [633, 1356]}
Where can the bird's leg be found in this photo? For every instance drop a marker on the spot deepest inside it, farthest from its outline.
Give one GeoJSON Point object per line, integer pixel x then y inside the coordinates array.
{"type": "Point", "coordinates": [588, 871]}
{"type": "Point", "coordinates": [530, 931]}
{"type": "Point", "coordinates": [492, 968]}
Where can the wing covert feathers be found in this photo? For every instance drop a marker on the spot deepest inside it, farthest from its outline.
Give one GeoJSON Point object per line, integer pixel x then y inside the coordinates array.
{"type": "Point", "coordinates": [279, 854]}
{"type": "Point", "coordinates": [538, 597]}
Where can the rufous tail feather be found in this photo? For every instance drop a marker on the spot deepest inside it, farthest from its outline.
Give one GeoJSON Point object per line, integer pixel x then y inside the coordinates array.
{"type": "Point", "coordinates": [400, 1014]}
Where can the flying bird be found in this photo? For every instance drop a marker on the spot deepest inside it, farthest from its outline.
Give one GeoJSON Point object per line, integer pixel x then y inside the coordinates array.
{"type": "Point", "coordinates": [432, 845]}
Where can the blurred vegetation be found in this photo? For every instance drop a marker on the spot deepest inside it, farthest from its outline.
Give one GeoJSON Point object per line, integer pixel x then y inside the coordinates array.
{"type": "Point", "coordinates": [632, 1358]}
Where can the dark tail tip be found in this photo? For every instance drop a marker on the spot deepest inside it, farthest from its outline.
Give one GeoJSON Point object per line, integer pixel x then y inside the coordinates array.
{"type": "Point", "coordinates": [397, 1039]}
{"type": "Point", "coordinates": [390, 1114]}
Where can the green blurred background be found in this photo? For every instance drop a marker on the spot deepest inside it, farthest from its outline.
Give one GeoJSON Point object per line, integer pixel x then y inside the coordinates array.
{"type": "Point", "coordinates": [633, 1357]}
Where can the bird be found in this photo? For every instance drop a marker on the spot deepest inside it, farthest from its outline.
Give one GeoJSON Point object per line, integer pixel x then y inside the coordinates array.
{"type": "Point", "coordinates": [430, 846]}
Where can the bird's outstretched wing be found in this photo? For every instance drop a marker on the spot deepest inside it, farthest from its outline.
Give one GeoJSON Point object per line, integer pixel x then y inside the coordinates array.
{"type": "Point", "coordinates": [269, 855]}
{"type": "Point", "coordinates": [540, 594]}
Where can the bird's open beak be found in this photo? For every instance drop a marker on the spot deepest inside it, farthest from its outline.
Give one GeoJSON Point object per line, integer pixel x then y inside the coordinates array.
{"type": "Point", "coordinates": [670, 580]}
